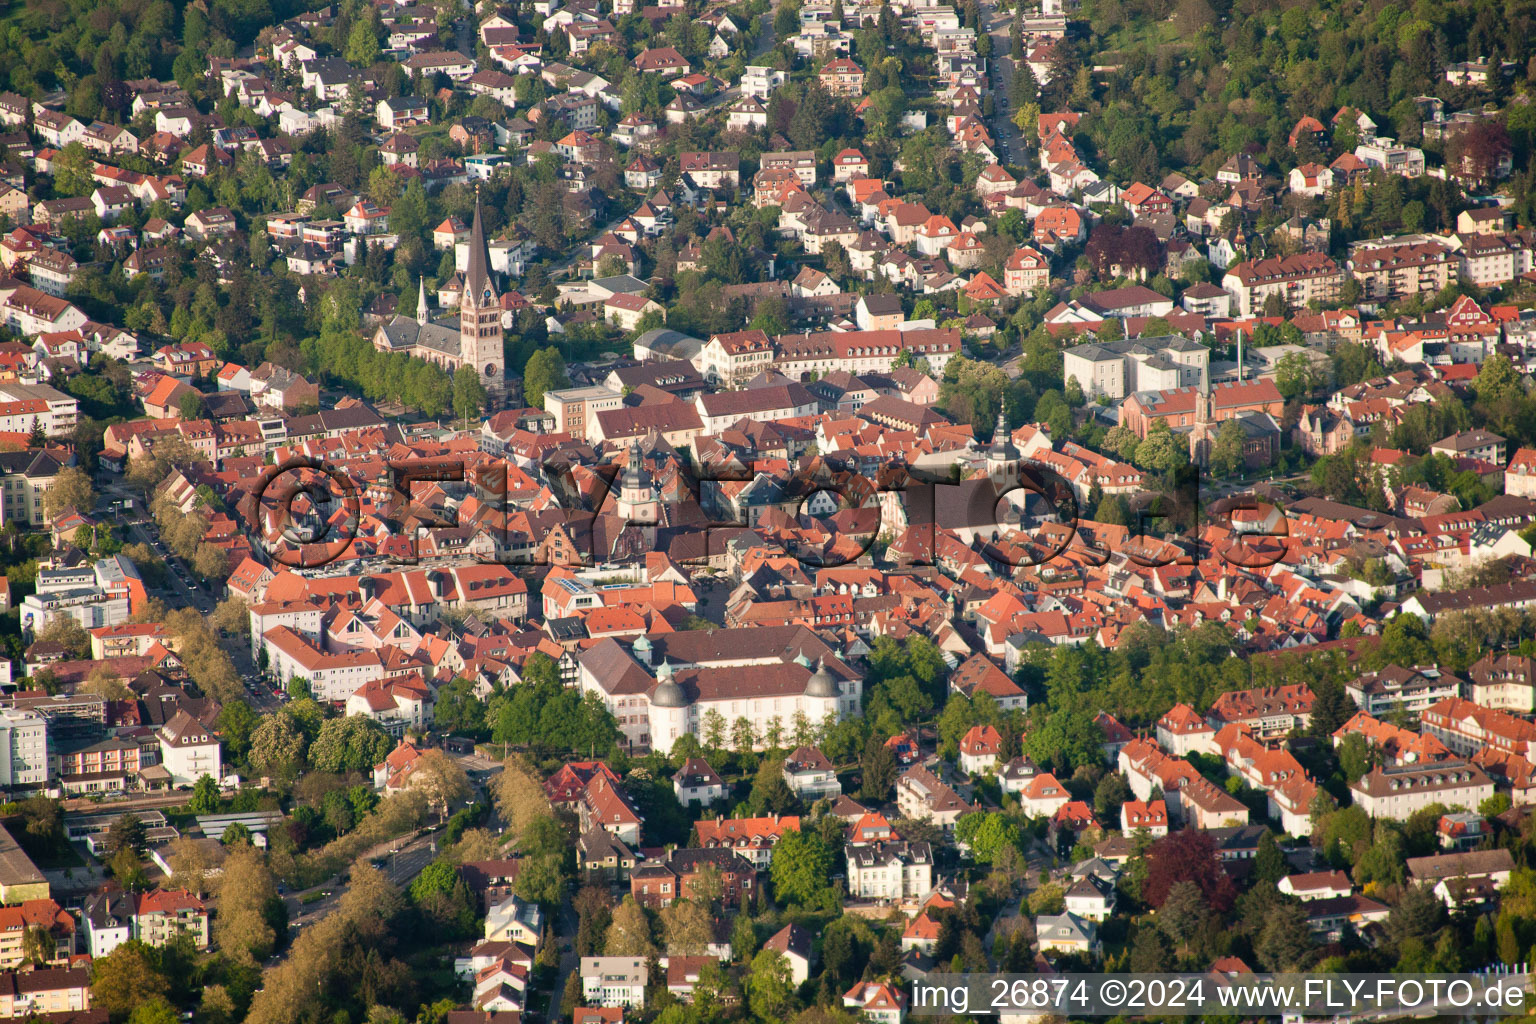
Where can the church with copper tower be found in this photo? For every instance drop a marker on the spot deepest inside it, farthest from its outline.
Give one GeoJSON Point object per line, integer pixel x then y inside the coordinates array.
{"type": "Point", "coordinates": [470, 343]}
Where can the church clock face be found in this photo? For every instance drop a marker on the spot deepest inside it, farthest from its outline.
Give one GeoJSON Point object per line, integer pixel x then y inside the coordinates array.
{"type": "Point", "coordinates": [490, 369]}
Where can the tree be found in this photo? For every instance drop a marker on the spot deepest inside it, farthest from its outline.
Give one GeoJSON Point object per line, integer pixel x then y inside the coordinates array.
{"type": "Point", "coordinates": [687, 927]}
{"type": "Point", "coordinates": [70, 489]}
{"type": "Point", "coordinates": [1150, 953]}
{"type": "Point", "coordinates": [1226, 457]}
{"type": "Point", "coordinates": [127, 833]}
{"type": "Point", "coordinates": [191, 406]}
{"type": "Point", "coordinates": [1286, 939]}
{"type": "Point", "coordinates": [237, 834]}
{"type": "Point", "coordinates": [1109, 794]}
{"type": "Point", "coordinates": [106, 684]}
{"type": "Point", "coordinates": [277, 745]}
{"type": "Point", "coordinates": [714, 730]}
{"type": "Point", "coordinates": [72, 171]}
{"type": "Point", "coordinates": [232, 615]}
{"type": "Point", "coordinates": [629, 934]}
{"type": "Point", "coordinates": [469, 394]}
{"type": "Point", "coordinates": [38, 945]}
{"type": "Point", "coordinates": [65, 631]}
{"type": "Point", "coordinates": [192, 865]}
{"type": "Point", "coordinates": [1049, 898]}
{"type": "Point", "coordinates": [1119, 251]}
{"type": "Point", "coordinates": [988, 835]}
{"type": "Point", "coordinates": [1331, 707]}
{"type": "Point", "coordinates": [126, 978]}
{"type": "Point", "coordinates": [743, 936]}
{"type": "Point", "coordinates": [1478, 150]}
{"type": "Point", "coordinates": [786, 22]}
{"type": "Point", "coordinates": [441, 780]}
{"type": "Point", "coordinates": [127, 868]}
{"type": "Point", "coordinates": [1357, 756]}
{"type": "Point", "coordinates": [802, 864]}
{"type": "Point", "coordinates": [520, 796]}
{"type": "Point", "coordinates": [1122, 441]}
{"type": "Point", "coordinates": [1269, 862]}
{"type": "Point", "coordinates": [1183, 913]}
{"type": "Point", "coordinates": [1296, 375]}
{"type": "Point", "coordinates": [572, 996]}
{"type": "Point", "coordinates": [1065, 740]}
{"type": "Point", "coordinates": [1187, 855]}
{"type": "Point", "coordinates": [545, 371]}
{"type": "Point", "coordinates": [205, 795]}
{"type": "Point", "coordinates": [242, 928]}
{"type": "Point", "coordinates": [879, 769]}
{"type": "Point", "coordinates": [351, 744]}
{"type": "Point", "coordinates": [43, 820]}
{"type": "Point", "coordinates": [362, 44]}
{"type": "Point", "coordinates": [769, 790]}
{"type": "Point", "coordinates": [1161, 450]}
{"type": "Point", "coordinates": [743, 736]}
{"type": "Point", "coordinates": [768, 987]}
{"type": "Point", "coordinates": [155, 1011]}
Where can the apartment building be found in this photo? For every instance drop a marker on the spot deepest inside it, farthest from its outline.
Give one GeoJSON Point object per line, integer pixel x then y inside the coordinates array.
{"type": "Point", "coordinates": [1467, 728]}
{"type": "Point", "coordinates": [24, 478]}
{"type": "Point", "coordinates": [1392, 271]}
{"type": "Point", "coordinates": [1504, 682]}
{"type": "Point", "coordinates": [1400, 790]}
{"type": "Point", "coordinates": [23, 749]}
{"type": "Point", "coordinates": [889, 871]}
{"type": "Point", "coordinates": [1396, 688]}
{"type": "Point", "coordinates": [154, 918]}
{"type": "Point", "coordinates": [49, 990]}
{"type": "Point", "coordinates": [575, 409]}
{"type": "Point", "coordinates": [614, 980]}
{"type": "Point", "coordinates": [1114, 369]}
{"type": "Point", "coordinates": [17, 921]}
{"type": "Point", "coordinates": [1297, 280]}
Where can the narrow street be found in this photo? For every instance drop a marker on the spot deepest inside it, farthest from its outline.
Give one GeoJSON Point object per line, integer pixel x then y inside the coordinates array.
{"type": "Point", "coordinates": [1012, 145]}
{"type": "Point", "coordinates": [565, 936]}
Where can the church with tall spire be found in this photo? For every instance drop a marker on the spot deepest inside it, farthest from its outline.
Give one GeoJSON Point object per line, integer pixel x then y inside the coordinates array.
{"type": "Point", "coordinates": [470, 342]}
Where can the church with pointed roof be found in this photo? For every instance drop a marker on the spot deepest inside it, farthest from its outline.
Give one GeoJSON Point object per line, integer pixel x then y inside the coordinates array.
{"type": "Point", "coordinates": [471, 341]}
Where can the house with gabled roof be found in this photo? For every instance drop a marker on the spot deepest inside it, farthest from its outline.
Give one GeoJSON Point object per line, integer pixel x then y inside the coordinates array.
{"type": "Point", "coordinates": [878, 1001]}
{"type": "Point", "coordinates": [697, 782]}
{"type": "Point", "coordinates": [795, 944]}
{"type": "Point", "coordinates": [661, 60]}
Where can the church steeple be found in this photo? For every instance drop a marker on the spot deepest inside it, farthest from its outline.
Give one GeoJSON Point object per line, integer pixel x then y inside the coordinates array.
{"type": "Point", "coordinates": [637, 502]}
{"type": "Point", "coordinates": [1002, 451]}
{"type": "Point", "coordinates": [422, 313]}
{"type": "Point", "coordinates": [480, 333]}
{"type": "Point", "coordinates": [477, 277]}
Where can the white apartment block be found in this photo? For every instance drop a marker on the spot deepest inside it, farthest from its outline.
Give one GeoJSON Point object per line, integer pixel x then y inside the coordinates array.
{"type": "Point", "coordinates": [889, 871]}
{"type": "Point", "coordinates": [23, 749]}
{"type": "Point", "coordinates": [614, 981]}
{"type": "Point", "coordinates": [1398, 791]}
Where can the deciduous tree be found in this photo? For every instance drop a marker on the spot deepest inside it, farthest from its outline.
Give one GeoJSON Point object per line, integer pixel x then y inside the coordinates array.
{"type": "Point", "coordinates": [629, 933]}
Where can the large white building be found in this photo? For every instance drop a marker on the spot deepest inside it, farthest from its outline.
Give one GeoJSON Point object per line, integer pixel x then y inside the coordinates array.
{"type": "Point", "coordinates": [1396, 688]}
{"type": "Point", "coordinates": [614, 980]}
{"type": "Point", "coordinates": [188, 750]}
{"type": "Point", "coordinates": [1115, 369]}
{"type": "Point", "coordinates": [1398, 791]}
{"type": "Point", "coordinates": [667, 685]}
{"type": "Point", "coordinates": [102, 594]}
{"type": "Point", "coordinates": [889, 871]}
{"type": "Point", "coordinates": [23, 749]}
{"type": "Point", "coordinates": [22, 405]}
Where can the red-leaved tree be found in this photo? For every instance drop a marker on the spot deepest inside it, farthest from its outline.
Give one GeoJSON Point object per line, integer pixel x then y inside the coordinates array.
{"type": "Point", "coordinates": [1188, 855]}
